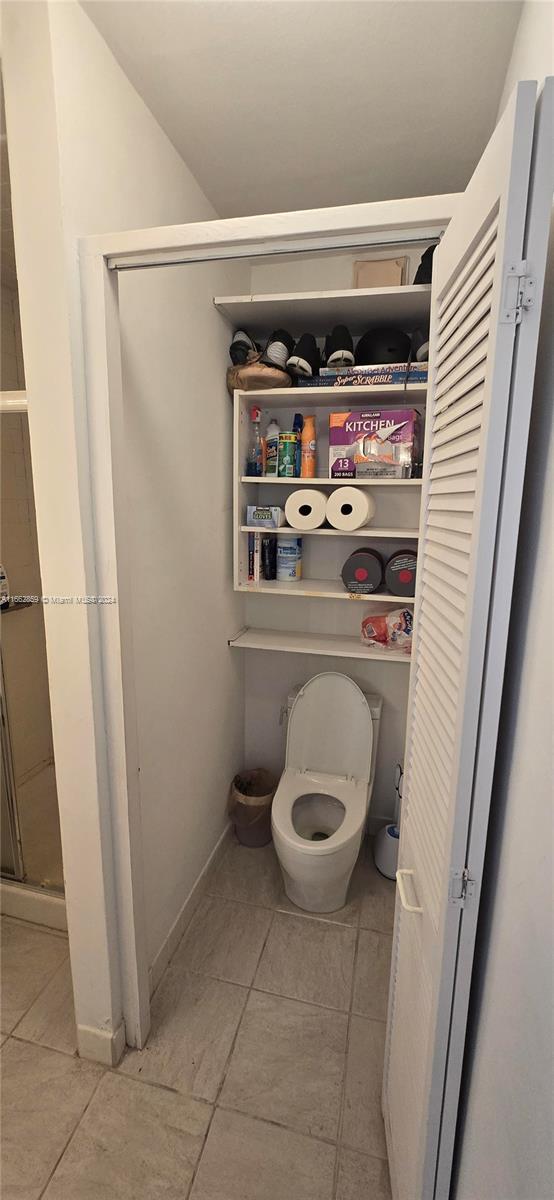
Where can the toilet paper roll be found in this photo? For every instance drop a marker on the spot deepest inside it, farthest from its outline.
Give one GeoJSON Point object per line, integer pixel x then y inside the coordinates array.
{"type": "Point", "coordinates": [350, 508]}
{"type": "Point", "coordinates": [306, 508]}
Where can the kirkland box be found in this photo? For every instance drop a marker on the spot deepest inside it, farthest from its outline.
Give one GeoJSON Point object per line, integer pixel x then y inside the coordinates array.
{"type": "Point", "coordinates": [371, 443]}
{"type": "Point", "coordinates": [265, 518]}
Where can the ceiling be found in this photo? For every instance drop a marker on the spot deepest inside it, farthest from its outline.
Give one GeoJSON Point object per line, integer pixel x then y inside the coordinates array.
{"type": "Point", "coordinates": [290, 104]}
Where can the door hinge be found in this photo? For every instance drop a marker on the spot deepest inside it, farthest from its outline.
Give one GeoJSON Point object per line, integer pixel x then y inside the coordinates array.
{"type": "Point", "coordinates": [462, 888]}
{"type": "Point", "coordinates": [518, 293]}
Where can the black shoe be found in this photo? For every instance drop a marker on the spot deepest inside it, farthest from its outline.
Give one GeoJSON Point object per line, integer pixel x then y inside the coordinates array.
{"type": "Point", "coordinates": [339, 348]}
{"type": "Point", "coordinates": [277, 349]}
{"type": "Point", "coordinates": [241, 346]}
{"type": "Point", "coordinates": [306, 358]}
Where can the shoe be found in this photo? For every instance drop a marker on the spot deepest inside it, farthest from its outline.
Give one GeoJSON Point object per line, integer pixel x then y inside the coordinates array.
{"type": "Point", "coordinates": [383, 346]}
{"type": "Point", "coordinates": [306, 358]}
{"type": "Point", "coordinates": [339, 348]}
{"type": "Point", "coordinates": [241, 346]}
{"type": "Point", "coordinates": [277, 349]}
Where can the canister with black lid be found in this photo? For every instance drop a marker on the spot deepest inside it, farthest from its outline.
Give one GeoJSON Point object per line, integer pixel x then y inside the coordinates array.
{"type": "Point", "coordinates": [362, 572]}
{"type": "Point", "coordinates": [400, 573]}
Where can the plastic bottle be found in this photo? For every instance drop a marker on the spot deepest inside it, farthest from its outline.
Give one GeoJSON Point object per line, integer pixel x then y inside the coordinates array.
{"type": "Point", "coordinates": [254, 459]}
{"type": "Point", "coordinates": [297, 427]}
{"type": "Point", "coordinates": [272, 447]}
{"type": "Point", "coordinates": [308, 449]}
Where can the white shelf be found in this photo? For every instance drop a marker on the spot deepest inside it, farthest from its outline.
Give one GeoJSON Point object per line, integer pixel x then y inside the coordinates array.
{"type": "Point", "coordinates": [329, 645]}
{"type": "Point", "coordinates": [337, 397]}
{"type": "Point", "coordinates": [328, 589]}
{"type": "Point", "coordinates": [321, 481]}
{"type": "Point", "coordinates": [318, 312]}
{"type": "Point", "coordinates": [409, 535]}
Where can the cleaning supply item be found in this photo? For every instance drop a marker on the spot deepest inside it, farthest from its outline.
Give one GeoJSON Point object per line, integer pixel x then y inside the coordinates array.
{"type": "Point", "coordinates": [272, 447]}
{"type": "Point", "coordinates": [265, 518]}
{"type": "Point", "coordinates": [297, 427]}
{"type": "Point", "coordinates": [254, 459]}
{"type": "Point", "coordinates": [288, 442]}
{"type": "Point", "coordinates": [308, 448]}
{"type": "Point", "coordinates": [350, 508]}
{"type": "Point", "coordinates": [289, 559]}
{"type": "Point", "coordinates": [362, 572]}
{"type": "Point", "coordinates": [306, 508]}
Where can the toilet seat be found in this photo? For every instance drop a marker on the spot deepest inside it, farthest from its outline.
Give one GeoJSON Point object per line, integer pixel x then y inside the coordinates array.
{"type": "Point", "coordinates": [294, 784]}
{"type": "Point", "coordinates": [330, 729]}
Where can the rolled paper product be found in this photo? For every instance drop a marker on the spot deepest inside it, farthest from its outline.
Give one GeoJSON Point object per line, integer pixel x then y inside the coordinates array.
{"type": "Point", "coordinates": [306, 508]}
{"type": "Point", "coordinates": [350, 508]}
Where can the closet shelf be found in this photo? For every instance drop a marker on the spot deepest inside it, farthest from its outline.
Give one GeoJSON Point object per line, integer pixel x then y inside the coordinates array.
{"type": "Point", "coordinates": [328, 645]}
{"type": "Point", "coordinates": [320, 481]}
{"type": "Point", "coordinates": [346, 396]}
{"type": "Point", "coordinates": [409, 535]}
{"type": "Point", "coordinates": [328, 589]}
{"type": "Point", "coordinates": [358, 308]}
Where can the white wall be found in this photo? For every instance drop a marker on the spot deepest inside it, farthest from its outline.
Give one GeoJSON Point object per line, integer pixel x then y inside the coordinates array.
{"type": "Point", "coordinates": [505, 1139]}
{"type": "Point", "coordinates": [86, 156]}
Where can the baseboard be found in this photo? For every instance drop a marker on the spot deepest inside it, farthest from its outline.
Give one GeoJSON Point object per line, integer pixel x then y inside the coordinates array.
{"type": "Point", "coordinates": [169, 946]}
{"type": "Point", "coordinates": [32, 904]}
{"type": "Point", "coordinates": [101, 1045]}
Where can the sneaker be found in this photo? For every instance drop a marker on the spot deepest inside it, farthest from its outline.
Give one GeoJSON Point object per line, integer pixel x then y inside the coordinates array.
{"type": "Point", "coordinates": [306, 358]}
{"type": "Point", "coordinates": [241, 346]}
{"type": "Point", "coordinates": [339, 348]}
{"type": "Point", "coordinates": [277, 349]}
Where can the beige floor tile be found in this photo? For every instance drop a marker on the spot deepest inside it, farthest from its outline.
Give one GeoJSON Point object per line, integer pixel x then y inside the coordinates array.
{"type": "Point", "coordinates": [250, 875]}
{"type": "Point", "coordinates": [135, 1142]}
{"type": "Point", "coordinates": [288, 1064]}
{"type": "Point", "coordinates": [377, 899]}
{"type": "Point", "coordinates": [308, 960]}
{"type": "Point", "coordinates": [245, 1159]}
{"type": "Point", "coordinates": [194, 1021]}
{"type": "Point", "coordinates": [30, 956]}
{"type": "Point", "coordinates": [44, 1095]}
{"type": "Point", "coordinates": [51, 1019]}
{"type": "Point", "coordinates": [225, 939]}
{"type": "Point", "coordinates": [362, 1127]}
{"type": "Point", "coordinates": [372, 973]}
{"type": "Point", "coordinates": [362, 1178]}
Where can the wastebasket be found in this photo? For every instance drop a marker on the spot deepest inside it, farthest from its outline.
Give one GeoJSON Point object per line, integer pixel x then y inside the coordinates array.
{"type": "Point", "coordinates": [250, 800]}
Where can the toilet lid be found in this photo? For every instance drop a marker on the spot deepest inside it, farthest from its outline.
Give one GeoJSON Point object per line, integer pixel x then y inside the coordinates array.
{"type": "Point", "coordinates": [330, 728]}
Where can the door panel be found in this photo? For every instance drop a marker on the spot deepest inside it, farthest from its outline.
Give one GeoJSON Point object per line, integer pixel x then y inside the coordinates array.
{"type": "Point", "coordinates": [471, 356]}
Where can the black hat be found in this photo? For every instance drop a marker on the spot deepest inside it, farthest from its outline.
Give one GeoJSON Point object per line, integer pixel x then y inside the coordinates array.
{"type": "Point", "coordinates": [382, 346]}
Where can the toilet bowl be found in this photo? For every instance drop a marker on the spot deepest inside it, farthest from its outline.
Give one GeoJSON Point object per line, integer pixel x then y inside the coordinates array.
{"type": "Point", "coordinates": [320, 806]}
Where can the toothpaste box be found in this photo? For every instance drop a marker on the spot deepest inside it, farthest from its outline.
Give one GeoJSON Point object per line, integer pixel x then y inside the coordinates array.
{"type": "Point", "coordinates": [265, 518]}
{"type": "Point", "coordinates": [374, 443]}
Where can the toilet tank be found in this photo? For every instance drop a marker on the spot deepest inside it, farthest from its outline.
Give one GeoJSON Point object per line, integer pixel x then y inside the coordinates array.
{"type": "Point", "coordinates": [375, 705]}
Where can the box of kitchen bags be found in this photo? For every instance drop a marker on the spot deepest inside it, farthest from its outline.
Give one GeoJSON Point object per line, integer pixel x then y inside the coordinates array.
{"type": "Point", "coordinates": [375, 443]}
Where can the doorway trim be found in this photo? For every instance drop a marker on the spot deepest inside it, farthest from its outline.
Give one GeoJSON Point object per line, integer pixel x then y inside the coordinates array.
{"type": "Point", "coordinates": [101, 259]}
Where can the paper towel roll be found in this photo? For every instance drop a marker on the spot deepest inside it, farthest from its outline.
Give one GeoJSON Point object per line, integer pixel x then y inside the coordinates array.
{"type": "Point", "coordinates": [306, 508]}
{"type": "Point", "coordinates": [350, 508]}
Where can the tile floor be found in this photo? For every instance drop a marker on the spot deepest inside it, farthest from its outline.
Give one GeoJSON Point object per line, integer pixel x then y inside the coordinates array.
{"type": "Point", "coordinates": [262, 1075]}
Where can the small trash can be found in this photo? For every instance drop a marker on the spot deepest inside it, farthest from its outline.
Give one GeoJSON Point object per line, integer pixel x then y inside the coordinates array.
{"type": "Point", "coordinates": [250, 800]}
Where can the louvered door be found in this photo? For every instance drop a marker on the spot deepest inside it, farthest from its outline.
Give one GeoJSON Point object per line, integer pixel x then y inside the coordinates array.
{"type": "Point", "coordinates": [473, 334]}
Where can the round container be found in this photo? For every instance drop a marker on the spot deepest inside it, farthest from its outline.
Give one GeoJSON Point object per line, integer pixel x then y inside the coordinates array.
{"type": "Point", "coordinates": [288, 443]}
{"type": "Point", "coordinates": [289, 559]}
{"type": "Point", "coordinates": [400, 573]}
{"type": "Point", "coordinates": [362, 572]}
{"type": "Point", "coordinates": [250, 801]}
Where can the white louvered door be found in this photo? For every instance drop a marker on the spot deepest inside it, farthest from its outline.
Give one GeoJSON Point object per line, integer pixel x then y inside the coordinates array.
{"type": "Point", "coordinates": [470, 405]}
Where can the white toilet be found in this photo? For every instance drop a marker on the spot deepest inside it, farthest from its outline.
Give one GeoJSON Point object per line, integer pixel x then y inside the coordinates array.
{"type": "Point", "coordinates": [321, 804]}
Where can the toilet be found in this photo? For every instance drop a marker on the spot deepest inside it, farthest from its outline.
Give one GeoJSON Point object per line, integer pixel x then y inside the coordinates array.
{"type": "Point", "coordinates": [321, 804]}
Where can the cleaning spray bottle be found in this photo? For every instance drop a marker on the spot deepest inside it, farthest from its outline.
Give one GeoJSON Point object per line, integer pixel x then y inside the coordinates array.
{"type": "Point", "coordinates": [272, 447]}
{"type": "Point", "coordinates": [308, 448]}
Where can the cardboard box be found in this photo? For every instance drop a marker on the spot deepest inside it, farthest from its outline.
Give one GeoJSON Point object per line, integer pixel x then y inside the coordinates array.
{"type": "Point", "coordinates": [379, 375]}
{"type": "Point", "coordinates": [380, 272]}
{"type": "Point", "coordinates": [265, 518]}
{"type": "Point", "coordinates": [374, 443]}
